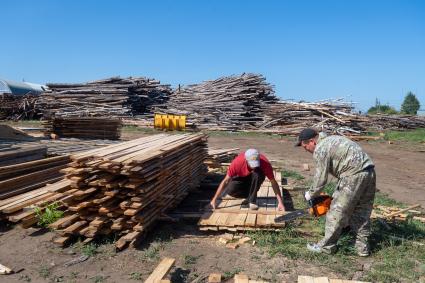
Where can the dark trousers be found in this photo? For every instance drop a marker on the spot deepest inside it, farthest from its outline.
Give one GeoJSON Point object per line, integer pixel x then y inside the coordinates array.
{"type": "Point", "coordinates": [246, 187]}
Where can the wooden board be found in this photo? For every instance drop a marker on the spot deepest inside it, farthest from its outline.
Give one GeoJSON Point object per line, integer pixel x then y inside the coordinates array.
{"type": "Point", "coordinates": [161, 270]}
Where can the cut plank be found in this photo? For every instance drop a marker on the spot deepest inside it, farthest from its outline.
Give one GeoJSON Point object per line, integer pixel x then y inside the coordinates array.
{"type": "Point", "coordinates": [161, 270]}
{"type": "Point", "coordinates": [214, 278]}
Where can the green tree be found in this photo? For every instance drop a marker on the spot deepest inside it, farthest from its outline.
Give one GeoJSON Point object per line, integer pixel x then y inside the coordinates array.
{"type": "Point", "coordinates": [410, 104]}
{"type": "Point", "coordinates": [382, 109]}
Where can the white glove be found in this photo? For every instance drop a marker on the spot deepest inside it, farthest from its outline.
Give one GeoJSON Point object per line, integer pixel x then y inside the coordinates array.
{"type": "Point", "coordinates": [307, 196]}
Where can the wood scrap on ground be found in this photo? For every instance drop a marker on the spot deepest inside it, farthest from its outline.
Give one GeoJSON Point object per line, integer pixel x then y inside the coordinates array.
{"type": "Point", "coordinates": [10, 133]}
{"type": "Point", "coordinates": [395, 213]}
{"type": "Point", "coordinates": [161, 270]}
{"type": "Point", "coordinates": [311, 279]}
{"type": "Point", "coordinates": [5, 270]}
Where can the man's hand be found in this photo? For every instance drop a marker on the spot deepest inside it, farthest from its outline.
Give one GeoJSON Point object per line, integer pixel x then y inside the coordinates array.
{"type": "Point", "coordinates": [280, 207]}
{"type": "Point", "coordinates": [213, 204]}
{"type": "Point", "coordinates": [307, 196]}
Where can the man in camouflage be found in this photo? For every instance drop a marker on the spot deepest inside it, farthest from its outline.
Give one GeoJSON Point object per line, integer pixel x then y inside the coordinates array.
{"type": "Point", "coordinates": [354, 194]}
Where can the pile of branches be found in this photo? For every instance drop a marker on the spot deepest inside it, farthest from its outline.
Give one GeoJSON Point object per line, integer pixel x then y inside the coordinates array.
{"type": "Point", "coordinates": [332, 116]}
{"type": "Point", "coordinates": [227, 103]}
{"type": "Point", "coordinates": [109, 97]}
{"type": "Point", "coordinates": [16, 107]}
{"type": "Point", "coordinates": [394, 122]}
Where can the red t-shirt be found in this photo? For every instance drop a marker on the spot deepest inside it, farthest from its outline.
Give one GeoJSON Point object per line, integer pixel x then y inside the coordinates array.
{"type": "Point", "coordinates": [239, 167]}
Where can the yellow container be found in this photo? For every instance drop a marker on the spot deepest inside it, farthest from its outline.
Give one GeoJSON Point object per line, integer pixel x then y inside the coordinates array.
{"type": "Point", "coordinates": [170, 122]}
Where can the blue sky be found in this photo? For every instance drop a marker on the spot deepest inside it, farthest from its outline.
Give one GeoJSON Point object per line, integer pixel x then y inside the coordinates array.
{"type": "Point", "coordinates": [310, 50]}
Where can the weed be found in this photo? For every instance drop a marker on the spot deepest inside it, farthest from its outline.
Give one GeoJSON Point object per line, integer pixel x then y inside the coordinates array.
{"type": "Point", "coordinates": [136, 276]}
{"type": "Point", "coordinates": [50, 214]}
{"type": "Point", "coordinates": [383, 199]}
{"type": "Point", "coordinates": [417, 135]}
{"type": "Point", "coordinates": [292, 174]}
{"type": "Point", "coordinates": [25, 278]}
{"type": "Point", "coordinates": [73, 275]}
{"type": "Point", "coordinates": [44, 272]}
{"type": "Point", "coordinates": [57, 279]}
{"type": "Point", "coordinates": [89, 249]}
{"type": "Point", "coordinates": [190, 259]}
{"type": "Point", "coordinates": [231, 273]}
{"type": "Point", "coordinates": [98, 279]}
{"type": "Point", "coordinates": [152, 252]}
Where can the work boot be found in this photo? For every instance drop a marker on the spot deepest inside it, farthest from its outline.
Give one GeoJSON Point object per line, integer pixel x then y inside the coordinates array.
{"type": "Point", "coordinates": [245, 202]}
{"type": "Point", "coordinates": [253, 206]}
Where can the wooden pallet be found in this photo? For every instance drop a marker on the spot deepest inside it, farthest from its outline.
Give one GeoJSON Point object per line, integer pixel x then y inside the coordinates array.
{"type": "Point", "coordinates": [231, 215]}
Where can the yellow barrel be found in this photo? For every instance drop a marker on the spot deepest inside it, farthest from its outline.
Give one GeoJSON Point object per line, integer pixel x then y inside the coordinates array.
{"type": "Point", "coordinates": [170, 122]}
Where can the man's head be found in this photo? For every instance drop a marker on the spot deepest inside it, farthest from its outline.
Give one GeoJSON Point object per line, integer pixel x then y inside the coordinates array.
{"type": "Point", "coordinates": [252, 157]}
{"type": "Point", "coordinates": [307, 139]}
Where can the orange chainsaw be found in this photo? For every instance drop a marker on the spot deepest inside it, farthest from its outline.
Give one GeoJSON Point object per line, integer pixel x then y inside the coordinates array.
{"type": "Point", "coordinates": [317, 207]}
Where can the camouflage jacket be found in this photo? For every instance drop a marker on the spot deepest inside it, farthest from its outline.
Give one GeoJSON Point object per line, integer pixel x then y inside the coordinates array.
{"type": "Point", "coordinates": [338, 156]}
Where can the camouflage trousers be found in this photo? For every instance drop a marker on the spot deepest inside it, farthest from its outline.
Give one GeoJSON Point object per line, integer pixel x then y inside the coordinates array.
{"type": "Point", "coordinates": [351, 206]}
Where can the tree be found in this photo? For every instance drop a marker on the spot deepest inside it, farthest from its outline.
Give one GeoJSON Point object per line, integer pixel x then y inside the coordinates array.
{"type": "Point", "coordinates": [410, 104]}
{"type": "Point", "coordinates": [381, 109]}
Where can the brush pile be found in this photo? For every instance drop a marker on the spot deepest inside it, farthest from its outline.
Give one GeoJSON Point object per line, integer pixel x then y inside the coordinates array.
{"type": "Point", "coordinates": [227, 103]}
{"type": "Point", "coordinates": [124, 188]}
{"type": "Point", "coordinates": [16, 107]}
{"type": "Point", "coordinates": [394, 122]}
{"type": "Point", "coordinates": [109, 97]}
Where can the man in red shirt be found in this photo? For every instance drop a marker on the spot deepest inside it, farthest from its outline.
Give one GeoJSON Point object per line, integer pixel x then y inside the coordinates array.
{"type": "Point", "coordinates": [244, 177]}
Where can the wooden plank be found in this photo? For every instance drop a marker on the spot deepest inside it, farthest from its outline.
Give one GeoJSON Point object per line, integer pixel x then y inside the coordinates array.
{"type": "Point", "coordinates": [161, 270]}
{"type": "Point", "coordinates": [241, 278]}
{"type": "Point", "coordinates": [305, 279]}
{"type": "Point", "coordinates": [321, 280]}
{"type": "Point", "coordinates": [214, 278]}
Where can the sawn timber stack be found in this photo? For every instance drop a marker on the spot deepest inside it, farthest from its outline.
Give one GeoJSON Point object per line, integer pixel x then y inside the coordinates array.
{"type": "Point", "coordinates": [124, 188]}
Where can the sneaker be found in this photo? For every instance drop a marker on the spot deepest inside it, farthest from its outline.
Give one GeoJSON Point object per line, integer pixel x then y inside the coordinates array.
{"type": "Point", "coordinates": [245, 202]}
{"type": "Point", "coordinates": [363, 254]}
{"type": "Point", "coordinates": [313, 247]}
{"type": "Point", "coordinates": [253, 206]}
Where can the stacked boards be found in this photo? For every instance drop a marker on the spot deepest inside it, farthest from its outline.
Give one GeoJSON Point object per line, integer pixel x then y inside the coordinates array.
{"type": "Point", "coordinates": [87, 127]}
{"type": "Point", "coordinates": [124, 188]}
{"type": "Point", "coordinates": [231, 215]}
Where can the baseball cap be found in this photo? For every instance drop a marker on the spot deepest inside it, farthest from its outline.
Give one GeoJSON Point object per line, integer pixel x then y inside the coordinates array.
{"type": "Point", "coordinates": [305, 135]}
{"type": "Point", "coordinates": [252, 156]}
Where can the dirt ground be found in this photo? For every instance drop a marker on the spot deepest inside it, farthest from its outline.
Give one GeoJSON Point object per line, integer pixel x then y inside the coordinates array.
{"type": "Point", "coordinates": [401, 174]}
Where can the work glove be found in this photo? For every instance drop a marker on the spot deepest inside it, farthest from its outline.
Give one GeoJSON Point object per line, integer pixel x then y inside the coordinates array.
{"type": "Point", "coordinates": [307, 196]}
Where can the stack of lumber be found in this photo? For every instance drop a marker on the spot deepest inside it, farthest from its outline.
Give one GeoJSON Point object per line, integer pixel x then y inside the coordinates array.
{"type": "Point", "coordinates": [16, 107]}
{"type": "Point", "coordinates": [84, 127]}
{"type": "Point", "coordinates": [227, 103]}
{"type": "Point", "coordinates": [124, 188]}
{"type": "Point", "coordinates": [20, 208]}
{"type": "Point", "coordinates": [217, 156]}
{"type": "Point", "coordinates": [10, 155]}
{"type": "Point", "coordinates": [109, 97]}
{"type": "Point", "coordinates": [23, 177]}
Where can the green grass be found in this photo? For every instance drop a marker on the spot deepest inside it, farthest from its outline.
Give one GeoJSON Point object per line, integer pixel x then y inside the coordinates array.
{"type": "Point", "coordinates": [136, 276]}
{"type": "Point", "coordinates": [292, 174]}
{"type": "Point", "coordinates": [241, 134]}
{"type": "Point", "coordinates": [231, 273]}
{"type": "Point", "coordinates": [133, 129]}
{"type": "Point", "coordinates": [417, 135]}
{"type": "Point", "coordinates": [398, 254]}
{"type": "Point", "coordinates": [44, 272]}
{"type": "Point", "coordinates": [385, 200]}
{"type": "Point", "coordinates": [49, 215]}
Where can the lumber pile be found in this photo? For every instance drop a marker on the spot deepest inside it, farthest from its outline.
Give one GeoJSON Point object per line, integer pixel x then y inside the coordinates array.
{"type": "Point", "coordinates": [15, 154]}
{"type": "Point", "coordinates": [8, 133]}
{"type": "Point", "coordinates": [394, 122]}
{"type": "Point", "coordinates": [291, 117]}
{"type": "Point", "coordinates": [16, 107]}
{"type": "Point", "coordinates": [217, 156]}
{"type": "Point", "coordinates": [20, 208]}
{"type": "Point", "coordinates": [109, 97]}
{"type": "Point", "coordinates": [124, 188]}
{"type": "Point", "coordinates": [227, 103]}
{"type": "Point", "coordinates": [23, 177]}
{"type": "Point", "coordinates": [84, 127]}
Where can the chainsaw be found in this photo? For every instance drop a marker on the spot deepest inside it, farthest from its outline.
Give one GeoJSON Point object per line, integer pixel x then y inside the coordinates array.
{"type": "Point", "coordinates": [317, 207]}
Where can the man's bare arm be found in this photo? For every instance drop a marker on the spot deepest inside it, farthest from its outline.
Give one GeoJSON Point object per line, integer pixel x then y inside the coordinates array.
{"type": "Point", "coordinates": [276, 190]}
{"type": "Point", "coordinates": [220, 189]}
